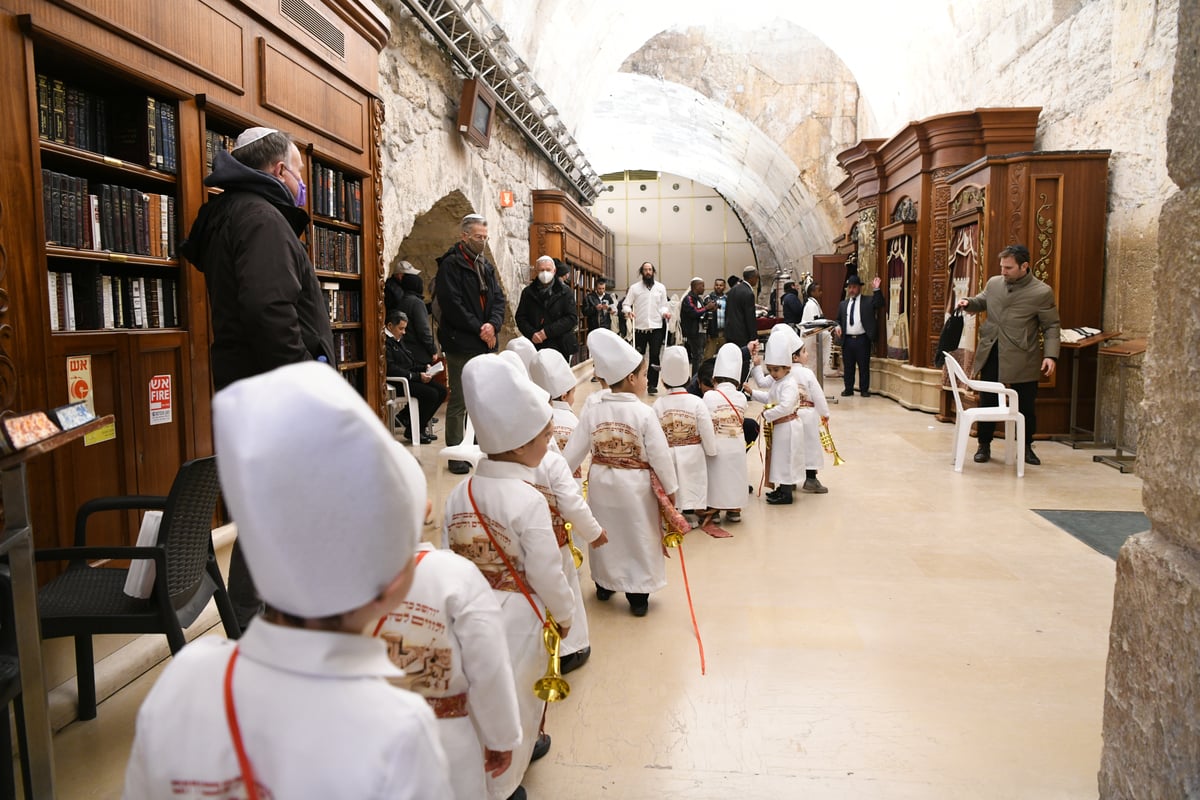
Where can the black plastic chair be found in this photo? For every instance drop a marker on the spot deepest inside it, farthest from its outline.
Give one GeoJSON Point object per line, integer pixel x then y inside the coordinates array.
{"type": "Point", "coordinates": [10, 694]}
{"type": "Point", "coordinates": [85, 601]}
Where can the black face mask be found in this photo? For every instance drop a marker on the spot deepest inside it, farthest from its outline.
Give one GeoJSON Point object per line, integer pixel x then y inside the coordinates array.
{"type": "Point", "coordinates": [648, 280]}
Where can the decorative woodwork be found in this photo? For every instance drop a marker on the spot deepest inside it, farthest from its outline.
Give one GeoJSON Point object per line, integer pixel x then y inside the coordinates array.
{"type": "Point", "coordinates": [221, 65]}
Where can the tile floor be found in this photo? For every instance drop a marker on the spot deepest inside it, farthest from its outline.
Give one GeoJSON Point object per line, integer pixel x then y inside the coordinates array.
{"type": "Point", "coordinates": [913, 634]}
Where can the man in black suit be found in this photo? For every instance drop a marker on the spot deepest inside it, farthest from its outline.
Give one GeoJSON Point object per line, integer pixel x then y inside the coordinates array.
{"type": "Point", "coordinates": [741, 321]}
{"type": "Point", "coordinates": [402, 364]}
{"type": "Point", "coordinates": [857, 327]}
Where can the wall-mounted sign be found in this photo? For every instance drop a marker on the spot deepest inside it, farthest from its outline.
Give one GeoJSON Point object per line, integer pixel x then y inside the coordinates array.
{"type": "Point", "coordinates": [506, 199]}
{"type": "Point", "coordinates": [160, 399]}
{"type": "Point", "coordinates": [79, 381]}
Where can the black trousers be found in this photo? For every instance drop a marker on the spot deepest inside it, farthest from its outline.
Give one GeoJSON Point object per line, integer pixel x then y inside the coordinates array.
{"type": "Point", "coordinates": [1026, 400]}
{"type": "Point", "coordinates": [652, 339]}
{"type": "Point", "coordinates": [695, 348]}
{"type": "Point", "coordinates": [856, 354]}
{"type": "Point", "coordinates": [429, 397]}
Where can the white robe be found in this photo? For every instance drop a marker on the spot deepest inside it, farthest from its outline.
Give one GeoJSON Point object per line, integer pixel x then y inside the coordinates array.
{"type": "Point", "coordinates": [447, 634]}
{"type": "Point", "coordinates": [564, 422]}
{"type": "Point", "coordinates": [728, 476]}
{"type": "Point", "coordinates": [518, 518]}
{"type": "Point", "coordinates": [689, 430]}
{"type": "Point", "coordinates": [812, 407]}
{"type": "Point", "coordinates": [812, 311]}
{"type": "Point", "coordinates": [787, 438]}
{"type": "Point", "coordinates": [317, 718]}
{"type": "Point", "coordinates": [621, 426]}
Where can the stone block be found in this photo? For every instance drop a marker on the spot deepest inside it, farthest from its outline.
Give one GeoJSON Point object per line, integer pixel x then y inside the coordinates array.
{"type": "Point", "coordinates": [1152, 696]}
{"type": "Point", "coordinates": [1183, 145]}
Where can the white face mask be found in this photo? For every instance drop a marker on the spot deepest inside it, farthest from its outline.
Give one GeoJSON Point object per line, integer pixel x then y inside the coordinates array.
{"type": "Point", "coordinates": [546, 275]}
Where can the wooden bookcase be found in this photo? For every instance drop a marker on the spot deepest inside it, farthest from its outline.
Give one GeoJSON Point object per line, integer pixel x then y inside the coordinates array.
{"type": "Point", "coordinates": [79, 75]}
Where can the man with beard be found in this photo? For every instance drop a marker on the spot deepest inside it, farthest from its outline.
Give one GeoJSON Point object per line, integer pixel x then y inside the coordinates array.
{"type": "Point", "coordinates": [546, 313]}
{"type": "Point", "coordinates": [693, 310]}
{"type": "Point", "coordinates": [715, 319]}
{"type": "Point", "coordinates": [646, 306]}
{"type": "Point", "coordinates": [470, 310]}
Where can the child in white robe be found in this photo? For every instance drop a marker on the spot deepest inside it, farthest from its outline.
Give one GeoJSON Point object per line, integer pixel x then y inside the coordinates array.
{"type": "Point", "coordinates": [328, 522]}
{"type": "Point", "coordinates": [448, 636]}
{"type": "Point", "coordinates": [785, 448]}
{"type": "Point", "coordinates": [550, 371]}
{"type": "Point", "coordinates": [499, 521]}
{"type": "Point", "coordinates": [812, 411]}
{"type": "Point", "coordinates": [727, 472]}
{"type": "Point", "coordinates": [688, 427]}
{"type": "Point", "coordinates": [626, 442]}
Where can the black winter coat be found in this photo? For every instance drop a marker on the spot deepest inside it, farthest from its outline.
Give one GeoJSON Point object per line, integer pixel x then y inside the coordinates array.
{"type": "Point", "coordinates": [266, 301]}
{"type": "Point", "coordinates": [552, 309]}
{"type": "Point", "coordinates": [741, 322]}
{"type": "Point", "coordinates": [466, 300]}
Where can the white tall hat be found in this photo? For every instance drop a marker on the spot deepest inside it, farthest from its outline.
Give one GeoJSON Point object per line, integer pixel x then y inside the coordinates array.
{"type": "Point", "coordinates": [729, 362]}
{"type": "Point", "coordinates": [550, 371]}
{"type": "Point", "coordinates": [252, 135]}
{"type": "Point", "coordinates": [676, 370]}
{"type": "Point", "coordinates": [524, 348]}
{"type": "Point", "coordinates": [510, 357]}
{"type": "Point", "coordinates": [508, 409]}
{"type": "Point", "coordinates": [780, 346]}
{"type": "Point", "coordinates": [329, 507]}
{"type": "Point", "coordinates": [614, 357]}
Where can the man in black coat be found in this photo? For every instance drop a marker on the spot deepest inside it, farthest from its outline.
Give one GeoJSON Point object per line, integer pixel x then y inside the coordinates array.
{"type": "Point", "coordinates": [401, 363]}
{"type": "Point", "coordinates": [741, 319]}
{"type": "Point", "coordinates": [266, 301]}
{"type": "Point", "coordinates": [546, 314]}
{"type": "Point", "coordinates": [857, 326]}
{"type": "Point", "coordinates": [598, 306]}
{"type": "Point", "coordinates": [470, 306]}
{"type": "Point", "coordinates": [693, 311]}
{"type": "Point", "coordinates": [793, 307]}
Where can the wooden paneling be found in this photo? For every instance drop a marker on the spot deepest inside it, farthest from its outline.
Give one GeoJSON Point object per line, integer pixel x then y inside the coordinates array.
{"type": "Point", "coordinates": [194, 35]}
{"type": "Point", "coordinates": [291, 89]}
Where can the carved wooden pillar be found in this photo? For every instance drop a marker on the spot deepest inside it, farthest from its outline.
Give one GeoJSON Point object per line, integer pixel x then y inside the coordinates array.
{"type": "Point", "coordinates": [938, 279]}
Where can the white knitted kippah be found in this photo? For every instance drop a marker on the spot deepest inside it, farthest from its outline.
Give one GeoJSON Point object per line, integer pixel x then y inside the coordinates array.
{"type": "Point", "coordinates": [252, 135]}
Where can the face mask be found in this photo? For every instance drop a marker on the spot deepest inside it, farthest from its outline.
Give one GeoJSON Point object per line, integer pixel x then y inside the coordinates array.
{"type": "Point", "coordinates": [302, 195]}
{"type": "Point", "coordinates": [474, 246]}
{"type": "Point", "coordinates": [546, 275]}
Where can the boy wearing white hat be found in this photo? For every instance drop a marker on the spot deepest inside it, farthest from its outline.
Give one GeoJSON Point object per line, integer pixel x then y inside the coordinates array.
{"type": "Point", "coordinates": [688, 427]}
{"type": "Point", "coordinates": [448, 637]}
{"type": "Point", "coordinates": [726, 404]}
{"type": "Point", "coordinates": [812, 411]}
{"type": "Point", "coordinates": [328, 522]}
{"type": "Point", "coordinates": [499, 521]}
{"type": "Point", "coordinates": [785, 447]}
{"type": "Point", "coordinates": [626, 442]}
{"type": "Point", "coordinates": [523, 348]}
{"type": "Point", "coordinates": [550, 371]}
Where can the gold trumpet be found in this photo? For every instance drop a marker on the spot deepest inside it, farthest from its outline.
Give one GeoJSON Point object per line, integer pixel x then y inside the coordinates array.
{"type": "Point", "coordinates": [828, 446]}
{"type": "Point", "coordinates": [552, 686]}
{"type": "Point", "coordinates": [576, 553]}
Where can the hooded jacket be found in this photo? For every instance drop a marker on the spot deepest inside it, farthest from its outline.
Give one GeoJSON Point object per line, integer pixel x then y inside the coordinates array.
{"type": "Point", "coordinates": [266, 301]}
{"type": "Point", "coordinates": [466, 300]}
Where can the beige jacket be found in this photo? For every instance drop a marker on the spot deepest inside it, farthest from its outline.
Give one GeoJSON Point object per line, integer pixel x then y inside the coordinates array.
{"type": "Point", "coordinates": [1016, 313]}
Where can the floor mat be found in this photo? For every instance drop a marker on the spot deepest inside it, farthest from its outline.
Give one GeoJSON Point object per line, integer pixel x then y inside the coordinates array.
{"type": "Point", "coordinates": [1103, 531]}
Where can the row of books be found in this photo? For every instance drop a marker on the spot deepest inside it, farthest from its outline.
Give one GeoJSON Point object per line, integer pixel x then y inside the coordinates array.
{"type": "Point", "coordinates": [346, 346]}
{"type": "Point", "coordinates": [86, 300]}
{"type": "Point", "coordinates": [345, 305]}
{"type": "Point", "coordinates": [113, 218]}
{"type": "Point", "coordinates": [213, 143]}
{"type": "Point", "coordinates": [133, 127]}
{"type": "Point", "coordinates": [335, 195]}
{"type": "Point", "coordinates": [338, 251]}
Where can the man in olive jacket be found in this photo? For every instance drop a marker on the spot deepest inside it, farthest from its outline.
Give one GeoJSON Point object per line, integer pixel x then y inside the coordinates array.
{"type": "Point", "coordinates": [469, 309]}
{"type": "Point", "coordinates": [1019, 307]}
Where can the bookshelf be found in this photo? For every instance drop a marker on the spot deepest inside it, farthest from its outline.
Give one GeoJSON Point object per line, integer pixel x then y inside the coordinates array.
{"type": "Point", "coordinates": [117, 108]}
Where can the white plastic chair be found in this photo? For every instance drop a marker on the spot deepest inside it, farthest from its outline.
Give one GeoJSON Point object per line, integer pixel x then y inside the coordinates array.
{"type": "Point", "coordinates": [1006, 412]}
{"type": "Point", "coordinates": [467, 450]}
{"type": "Point", "coordinates": [397, 401]}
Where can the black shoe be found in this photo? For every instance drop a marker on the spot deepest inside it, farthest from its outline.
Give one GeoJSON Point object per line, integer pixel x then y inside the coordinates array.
{"type": "Point", "coordinates": [848, 393]}
{"type": "Point", "coordinates": [460, 467]}
{"type": "Point", "coordinates": [1031, 457]}
{"type": "Point", "coordinates": [639, 603]}
{"type": "Point", "coordinates": [782, 498]}
{"type": "Point", "coordinates": [573, 661]}
{"type": "Point", "coordinates": [984, 453]}
{"type": "Point", "coordinates": [426, 439]}
{"type": "Point", "coordinates": [603, 594]}
{"type": "Point", "coordinates": [540, 747]}
{"type": "Point", "coordinates": [865, 394]}
{"type": "Point", "coordinates": [519, 794]}
{"type": "Point", "coordinates": [652, 390]}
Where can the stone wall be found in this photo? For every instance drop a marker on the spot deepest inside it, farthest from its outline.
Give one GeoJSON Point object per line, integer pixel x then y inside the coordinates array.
{"type": "Point", "coordinates": [1152, 697]}
{"type": "Point", "coordinates": [432, 176]}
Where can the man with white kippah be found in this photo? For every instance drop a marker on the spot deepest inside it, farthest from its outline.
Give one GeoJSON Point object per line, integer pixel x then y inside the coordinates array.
{"type": "Point", "coordinates": [300, 706]}
{"type": "Point", "coordinates": [469, 305]}
{"type": "Point", "coordinates": [266, 302]}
